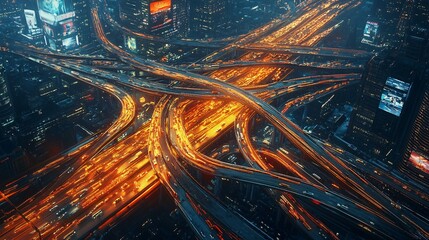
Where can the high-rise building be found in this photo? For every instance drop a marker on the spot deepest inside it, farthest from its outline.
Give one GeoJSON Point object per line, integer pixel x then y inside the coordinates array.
{"type": "Point", "coordinates": [403, 22]}
{"type": "Point", "coordinates": [416, 149]}
{"type": "Point", "coordinates": [382, 117]}
{"type": "Point", "coordinates": [148, 16]}
{"type": "Point", "coordinates": [391, 20]}
{"type": "Point", "coordinates": [384, 21]}
{"type": "Point", "coordinates": [382, 114]}
{"type": "Point", "coordinates": [416, 152]}
{"type": "Point", "coordinates": [8, 9]}
{"type": "Point", "coordinates": [207, 18]}
{"type": "Point", "coordinates": [113, 8]}
{"type": "Point", "coordinates": [416, 36]}
{"type": "Point", "coordinates": [163, 18]}
{"type": "Point", "coordinates": [58, 20]}
{"type": "Point", "coordinates": [134, 14]}
{"type": "Point", "coordinates": [416, 43]}
{"type": "Point", "coordinates": [10, 12]}
{"type": "Point", "coordinates": [181, 11]}
{"type": "Point", "coordinates": [83, 21]}
{"type": "Point", "coordinates": [6, 108]}
{"type": "Point", "coordinates": [420, 15]}
{"type": "Point", "coordinates": [32, 26]}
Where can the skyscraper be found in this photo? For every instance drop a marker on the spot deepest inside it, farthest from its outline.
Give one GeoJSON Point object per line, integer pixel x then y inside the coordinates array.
{"type": "Point", "coordinates": [134, 14]}
{"type": "Point", "coordinates": [162, 18]}
{"type": "Point", "coordinates": [420, 15]}
{"type": "Point", "coordinates": [181, 11]}
{"type": "Point", "coordinates": [380, 123]}
{"type": "Point", "coordinates": [58, 20]}
{"type": "Point", "coordinates": [416, 153]}
{"type": "Point", "coordinates": [82, 21]}
{"type": "Point", "coordinates": [386, 23]}
{"type": "Point", "coordinates": [415, 46]}
{"type": "Point", "coordinates": [6, 109]}
{"type": "Point", "coordinates": [207, 18]}
{"type": "Point", "coordinates": [148, 16]}
{"type": "Point", "coordinates": [32, 26]}
{"type": "Point", "coordinates": [394, 18]}
{"type": "Point", "coordinates": [416, 37]}
{"type": "Point", "coordinates": [8, 9]}
{"type": "Point", "coordinates": [416, 149]}
{"type": "Point", "coordinates": [382, 114]}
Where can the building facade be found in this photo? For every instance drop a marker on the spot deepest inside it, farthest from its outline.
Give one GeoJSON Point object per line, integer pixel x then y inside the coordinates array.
{"type": "Point", "coordinates": [181, 13]}
{"type": "Point", "coordinates": [416, 154]}
{"type": "Point", "coordinates": [58, 21]}
{"type": "Point", "coordinates": [208, 18]}
{"type": "Point", "coordinates": [382, 114]}
{"type": "Point", "coordinates": [149, 16]}
{"type": "Point", "coordinates": [6, 108]}
{"type": "Point", "coordinates": [83, 22]}
{"type": "Point", "coordinates": [134, 14]}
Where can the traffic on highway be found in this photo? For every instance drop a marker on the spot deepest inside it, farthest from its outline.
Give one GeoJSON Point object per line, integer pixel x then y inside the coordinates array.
{"type": "Point", "coordinates": [322, 189]}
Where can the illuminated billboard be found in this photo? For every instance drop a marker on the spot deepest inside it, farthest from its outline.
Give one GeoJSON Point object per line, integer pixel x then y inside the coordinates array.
{"type": "Point", "coordinates": [160, 12]}
{"type": "Point", "coordinates": [68, 28]}
{"type": "Point", "coordinates": [55, 7]}
{"type": "Point", "coordinates": [160, 6]}
{"type": "Point", "coordinates": [52, 44]}
{"type": "Point", "coordinates": [30, 18]}
{"type": "Point", "coordinates": [48, 30]}
{"type": "Point", "coordinates": [394, 95]}
{"type": "Point", "coordinates": [398, 84]}
{"type": "Point", "coordinates": [54, 11]}
{"type": "Point", "coordinates": [419, 161]}
{"type": "Point", "coordinates": [69, 43]}
{"type": "Point", "coordinates": [130, 43]}
{"type": "Point", "coordinates": [370, 32]}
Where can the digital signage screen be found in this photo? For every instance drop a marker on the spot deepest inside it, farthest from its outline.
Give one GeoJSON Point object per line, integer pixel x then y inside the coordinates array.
{"type": "Point", "coordinates": [69, 43]}
{"type": "Point", "coordinates": [419, 161]}
{"type": "Point", "coordinates": [394, 95]}
{"type": "Point", "coordinates": [160, 6]}
{"type": "Point", "coordinates": [398, 84]}
{"type": "Point", "coordinates": [48, 31]}
{"type": "Point", "coordinates": [55, 7]}
{"type": "Point", "coordinates": [68, 28]}
{"type": "Point", "coordinates": [370, 32]}
{"type": "Point", "coordinates": [130, 43]}
{"type": "Point", "coordinates": [30, 18]}
{"type": "Point", "coordinates": [52, 44]}
{"type": "Point", "coordinates": [160, 12]}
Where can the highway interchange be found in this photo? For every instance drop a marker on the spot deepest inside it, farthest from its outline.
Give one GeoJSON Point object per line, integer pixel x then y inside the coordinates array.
{"type": "Point", "coordinates": [110, 176]}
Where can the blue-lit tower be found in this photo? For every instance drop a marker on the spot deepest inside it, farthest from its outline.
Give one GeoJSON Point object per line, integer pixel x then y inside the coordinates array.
{"type": "Point", "coordinates": [58, 21]}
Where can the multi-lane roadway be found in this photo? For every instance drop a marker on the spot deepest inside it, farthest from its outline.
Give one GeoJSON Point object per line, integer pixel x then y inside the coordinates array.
{"type": "Point", "coordinates": [189, 118]}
